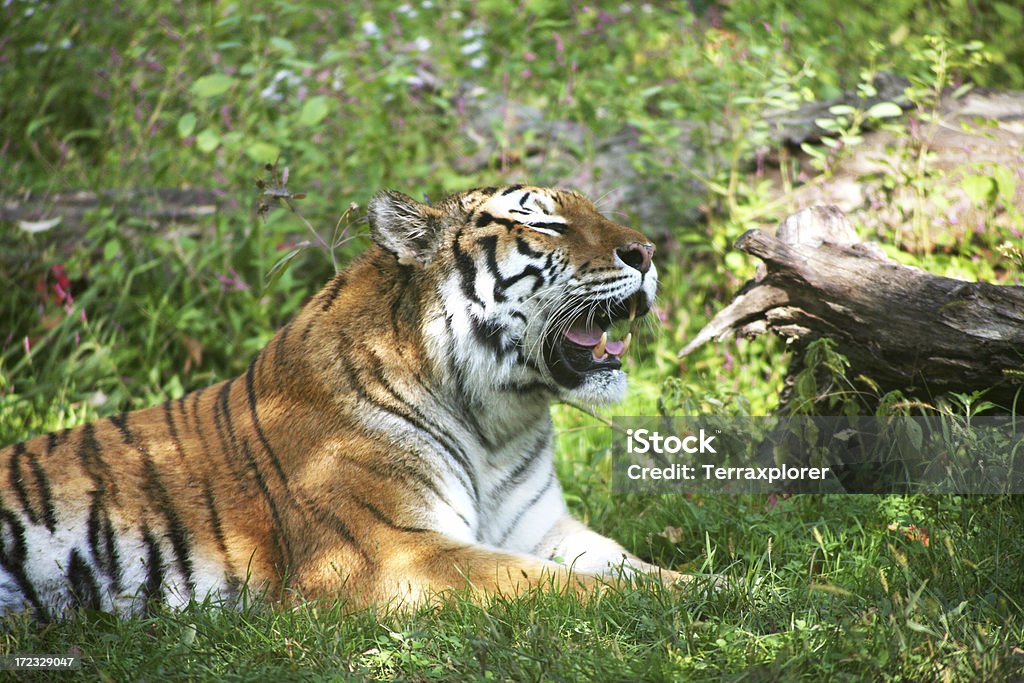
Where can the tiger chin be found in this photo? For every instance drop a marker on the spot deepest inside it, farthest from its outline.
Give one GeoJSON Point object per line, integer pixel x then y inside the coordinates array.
{"type": "Point", "coordinates": [390, 443]}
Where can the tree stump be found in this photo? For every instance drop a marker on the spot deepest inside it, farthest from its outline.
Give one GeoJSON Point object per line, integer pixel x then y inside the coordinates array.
{"type": "Point", "coordinates": [901, 327]}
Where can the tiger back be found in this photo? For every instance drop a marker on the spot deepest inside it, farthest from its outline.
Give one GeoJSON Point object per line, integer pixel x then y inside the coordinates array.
{"type": "Point", "coordinates": [391, 442]}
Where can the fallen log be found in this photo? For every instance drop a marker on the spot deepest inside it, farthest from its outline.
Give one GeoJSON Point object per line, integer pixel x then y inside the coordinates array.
{"type": "Point", "coordinates": [900, 327]}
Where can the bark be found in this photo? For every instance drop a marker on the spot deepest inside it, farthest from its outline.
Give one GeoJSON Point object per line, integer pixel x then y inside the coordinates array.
{"type": "Point", "coordinates": [60, 220]}
{"type": "Point", "coordinates": [900, 326]}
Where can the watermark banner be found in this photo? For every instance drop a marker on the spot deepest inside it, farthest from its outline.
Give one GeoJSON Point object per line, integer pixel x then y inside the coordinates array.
{"type": "Point", "coordinates": [708, 454]}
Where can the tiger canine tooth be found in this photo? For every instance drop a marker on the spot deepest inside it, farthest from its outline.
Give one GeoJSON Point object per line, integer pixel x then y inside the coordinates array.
{"type": "Point", "coordinates": [632, 309]}
{"type": "Point", "coordinates": [625, 343]}
{"type": "Point", "coordinates": [598, 349]}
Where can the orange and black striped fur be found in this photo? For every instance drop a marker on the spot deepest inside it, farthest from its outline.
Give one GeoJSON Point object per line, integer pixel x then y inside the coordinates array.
{"type": "Point", "coordinates": [390, 442]}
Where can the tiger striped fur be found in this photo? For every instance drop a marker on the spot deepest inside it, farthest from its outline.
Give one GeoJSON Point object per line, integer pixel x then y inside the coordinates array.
{"type": "Point", "coordinates": [392, 441]}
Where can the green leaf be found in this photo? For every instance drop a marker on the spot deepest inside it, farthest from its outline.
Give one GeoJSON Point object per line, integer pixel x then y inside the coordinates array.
{"type": "Point", "coordinates": [1009, 14]}
{"type": "Point", "coordinates": [207, 141]}
{"type": "Point", "coordinates": [263, 152]}
{"type": "Point", "coordinates": [981, 189]}
{"type": "Point", "coordinates": [1005, 181]}
{"type": "Point", "coordinates": [186, 125]}
{"type": "Point", "coordinates": [213, 85]}
{"type": "Point", "coordinates": [811, 150]}
{"type": "Point", "coordinates": [884, 110]}
{"type": "Point", "coordinates": [314, 111]}
{"type": "Point", "coordinates": [283, 45]}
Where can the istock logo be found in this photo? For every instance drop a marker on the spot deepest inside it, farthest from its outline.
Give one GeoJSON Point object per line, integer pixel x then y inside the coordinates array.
{"type": "Point", "coordinates": [645, 441]}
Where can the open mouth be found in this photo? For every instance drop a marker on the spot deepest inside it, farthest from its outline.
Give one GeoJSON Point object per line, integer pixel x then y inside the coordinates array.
{"type": "Point", "coordinates": [587, 346]}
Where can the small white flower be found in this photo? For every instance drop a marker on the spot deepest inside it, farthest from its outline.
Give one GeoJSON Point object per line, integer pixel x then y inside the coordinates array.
{"type": "Point", "coordinates": [422, 43]}
{"type": "Point", "coordinates": [370, 28]}
{"type": "Point", "coordinates": [426, 4]}
{"type": "Point", "coordinates": [472, 48]}
{"type": "Point", "coordinates": [478, 62]}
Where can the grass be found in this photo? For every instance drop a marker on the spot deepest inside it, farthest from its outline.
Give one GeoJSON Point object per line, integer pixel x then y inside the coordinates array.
{"type": "Point", "coordinates": [846, 587]}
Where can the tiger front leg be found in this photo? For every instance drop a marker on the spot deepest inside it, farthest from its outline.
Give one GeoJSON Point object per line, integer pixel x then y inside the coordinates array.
{"type": "Point", "coordinates": [416, 568]}
{"type": "Point", "coordinates": [572, 543]}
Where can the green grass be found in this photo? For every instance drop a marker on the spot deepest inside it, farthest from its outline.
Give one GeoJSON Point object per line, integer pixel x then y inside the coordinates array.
{"type": "Point", "coordinates": [168, 94]}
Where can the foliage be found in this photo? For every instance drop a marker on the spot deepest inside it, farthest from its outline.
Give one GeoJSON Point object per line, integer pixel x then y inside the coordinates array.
{"type": "Point", "coordinates": [353, 98]}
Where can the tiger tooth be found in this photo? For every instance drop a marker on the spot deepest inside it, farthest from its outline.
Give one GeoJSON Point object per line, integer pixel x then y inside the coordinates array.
{"type": "Point", "coordinates": [632, 309]}
{"type": "Point", "coordinates": [598, 350]}
{"type": "Point", "coordinates": [625, 343]}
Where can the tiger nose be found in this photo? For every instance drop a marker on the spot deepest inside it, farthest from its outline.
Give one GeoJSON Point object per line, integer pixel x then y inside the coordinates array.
{"type": "Point", "coordinates": [637, 255]}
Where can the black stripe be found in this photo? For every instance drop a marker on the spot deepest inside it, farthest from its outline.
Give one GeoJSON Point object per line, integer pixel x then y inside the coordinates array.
{"type": "Point", "coordinates": [466, 266]}
{"type": "Point", "coordinates": [491, 336]}
{"type": "Point", "coordinates": [485, 219]}
{"type": "Point", "coordinates": [560, 228]}
{"type": "Point", "coordinates": [614, 278]}
{"type": "Point", "coordinates": [522, 200]}
{"type": "Point", "coordinates": [516, 476]}
{"type": "Point", "coordinates": [330, 293]}
{"type": "Point", "coordinates": [393, 468]}
{"type": "Point", "coordinates": [381, 517]}
{"type": "Point", "coordinates": [100, 530]}
{"type": "Point", "coordinates": [176, 529]}
{"type": "Point", "coordinates": [279, 347]}
{"type": "Point", "coordinates": [45, 492]}
{"type": "Point", "coordinates": [173, 430]}
{"type": "Point", "coordinates": [13, 550]}
{"type": "Point", "coordinates": [524, 248]}
{"type": "Point", "coordinates": [250, 392]}
{"type": "Point", "coordinates": [154, 487]}
{"type": "Point", "coordinates": [215, 524]}
{"type": "Point", "coordinates": [412, 415]}
{"type": "Point", "coordinates": [197, 426]}
{"type": "Point", "coordinates": [55, 440]}
{"type": "Point", "coordinates": [328, 517]}
{"type": "Point", "coordinates": [84, 589]}
{"type": "Point", "coordinates": [46, 514]}
{"type": "Point", "coordinates": [154, 565]}
{"type": "Point", "coordinates": [102, 540]}
{"type": "Point", "coordinates": [511, 189]}
{"type": "Point", "coordinates": [120, 423]}
{"type": "Point", "coordinates": [522, 387]}
{"type": "Point", "coordinates": [501, 284]}
{"type": "Point", "coordinates": [404, 306]}
{"type": "Point", "coordinates": [233, 447]}
{"type": "Point", "coordinates": [530, 504]}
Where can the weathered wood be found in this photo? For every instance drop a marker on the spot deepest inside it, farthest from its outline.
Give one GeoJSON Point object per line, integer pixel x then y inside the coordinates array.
{"type": "Point", "coordinates": [60, 220]}
{"type": "Point", "coordinates": [900, 326]}
{"type": "Point", "coordinates": [159, 207]}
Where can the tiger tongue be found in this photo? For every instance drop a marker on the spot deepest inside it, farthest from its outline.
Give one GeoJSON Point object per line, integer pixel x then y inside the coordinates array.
{"type": "Point", "coordinates": [583, 335]}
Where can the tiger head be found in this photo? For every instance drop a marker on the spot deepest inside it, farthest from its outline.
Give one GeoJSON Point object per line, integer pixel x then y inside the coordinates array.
{"type": "Point", "coordinates": [526, 284]}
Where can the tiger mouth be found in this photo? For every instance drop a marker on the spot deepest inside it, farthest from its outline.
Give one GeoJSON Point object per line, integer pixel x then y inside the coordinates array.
{"type": "Point", "coordinates": [585, 346]}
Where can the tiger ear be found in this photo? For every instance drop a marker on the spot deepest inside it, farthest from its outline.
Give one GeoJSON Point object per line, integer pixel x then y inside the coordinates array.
{"type": "Point", "coordinates": [403, 226]}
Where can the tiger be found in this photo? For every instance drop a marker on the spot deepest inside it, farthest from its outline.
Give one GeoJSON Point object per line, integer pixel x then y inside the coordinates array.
{"type": "Point", "coordinates": [391, 443]}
